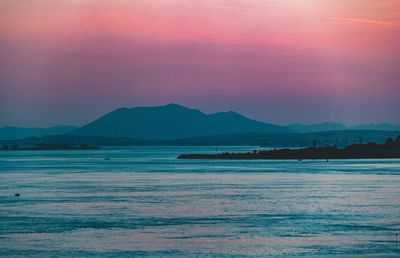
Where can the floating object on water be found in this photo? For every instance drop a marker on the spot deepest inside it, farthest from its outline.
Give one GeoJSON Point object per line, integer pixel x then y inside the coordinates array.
{"type": "Point", "coordinates": [17, 195]}
{"type": "Point", "coordinates": [106, 158]}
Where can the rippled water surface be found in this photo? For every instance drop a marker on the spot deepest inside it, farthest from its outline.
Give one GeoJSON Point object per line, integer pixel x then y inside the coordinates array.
{"type": "Point", "coordinates": [143, 201]}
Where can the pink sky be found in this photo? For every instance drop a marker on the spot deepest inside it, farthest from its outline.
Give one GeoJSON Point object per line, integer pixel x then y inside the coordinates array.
{"type": "Point", "coordinates": [279, 61]}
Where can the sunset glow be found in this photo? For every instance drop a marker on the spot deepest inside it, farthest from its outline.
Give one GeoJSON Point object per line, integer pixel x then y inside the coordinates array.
{"type": "Point", "coordinates": [279, 61]}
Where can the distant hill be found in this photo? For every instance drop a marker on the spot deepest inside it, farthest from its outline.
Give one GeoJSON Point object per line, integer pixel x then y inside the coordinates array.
{"type": "Point", "coordinates": [176, 124]}
{"type": "Point", "coordinates": [11, 132]}
{"type": "Point", "coordinates": [302, 128]}
{"type": "Point", "coordinates": [382, 127]}
{"type": "Point", "coordinates": [173, 122]}
{"type": "Point", "coordinates": [323, 127]}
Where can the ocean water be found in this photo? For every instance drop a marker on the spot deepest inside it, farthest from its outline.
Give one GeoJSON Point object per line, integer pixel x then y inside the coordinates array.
{"type": "Point", "coordinates": [145, 202]}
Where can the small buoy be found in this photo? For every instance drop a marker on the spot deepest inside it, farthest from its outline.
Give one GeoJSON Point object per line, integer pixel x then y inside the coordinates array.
{"type": "Point", "coordinates": [17, 195]}
{"type": "Point", "coordinates": [106, 158]}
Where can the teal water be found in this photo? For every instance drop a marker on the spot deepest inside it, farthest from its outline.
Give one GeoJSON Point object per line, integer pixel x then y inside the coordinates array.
{"type": "Point", "coordinates": [145, 202]}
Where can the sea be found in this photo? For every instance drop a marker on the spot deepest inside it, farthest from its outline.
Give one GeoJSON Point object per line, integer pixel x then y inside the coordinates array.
{"type": "Point", "coordinates": [144, 202]}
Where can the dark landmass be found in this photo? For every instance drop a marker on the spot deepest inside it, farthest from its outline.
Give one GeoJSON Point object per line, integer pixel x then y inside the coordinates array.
{"type": "Point", "coordinates": [178, 125]}
{"type": "Point", "coordinates": [48, 146]}
{"type": "Point", "coordinates": [324, 127]}
{"type": "Point", "coordinates": [382, 126]}
{"type": "Point", "coordinates": [175, 125]}
{"type": "Point", "coordinates": [77, 140]}
{"type": "Point", "coordinates": [173, 122]}
{"type": "Point", "coordinates": [13, 133]}
{"type": "Point", "coordinates": [337, 138]}
{"type": "Point", "coordinates": [390, 149]}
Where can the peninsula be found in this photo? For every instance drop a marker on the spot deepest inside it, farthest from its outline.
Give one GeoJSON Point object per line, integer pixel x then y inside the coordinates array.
{"type": "Point", "coordinates": [390, 149]}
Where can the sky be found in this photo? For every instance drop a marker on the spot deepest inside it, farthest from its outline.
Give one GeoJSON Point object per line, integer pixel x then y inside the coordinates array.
{"type": "Point", "coordinates": [278, 61]}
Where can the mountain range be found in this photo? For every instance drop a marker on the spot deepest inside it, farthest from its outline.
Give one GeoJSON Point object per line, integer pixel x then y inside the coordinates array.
{"type": "Point", "coordinates": [173, 121]}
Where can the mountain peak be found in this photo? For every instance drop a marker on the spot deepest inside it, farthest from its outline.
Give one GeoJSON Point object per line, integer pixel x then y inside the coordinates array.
{"type": "Point", "coordinates": [174, 105]}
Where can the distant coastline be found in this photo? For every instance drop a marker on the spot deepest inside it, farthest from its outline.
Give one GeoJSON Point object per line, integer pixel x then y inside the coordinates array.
{"type": "Point", "coordinates": [289, 140]}
{"type": "Point", "coordinates": [391, 149]}
{"type": "Point", "coordinates": [43, 146]}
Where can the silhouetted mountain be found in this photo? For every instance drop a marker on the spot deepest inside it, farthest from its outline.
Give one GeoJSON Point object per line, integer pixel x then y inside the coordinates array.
{"type": "Point", "coordinates": [10, 132]}
{"type": "Point", "coordinates": [302, 128]}
{"type": "Point", "coordinates": [172, 122]}
{"type": "Point", "coordinates": [382, 127]}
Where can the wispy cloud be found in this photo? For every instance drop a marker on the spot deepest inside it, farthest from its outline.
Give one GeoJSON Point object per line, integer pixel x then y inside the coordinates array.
{"type": "Point", "coordinates": [363, 21]}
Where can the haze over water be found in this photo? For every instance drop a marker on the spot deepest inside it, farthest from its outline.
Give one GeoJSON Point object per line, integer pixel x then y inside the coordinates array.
{"type": "Point", "coordinates": [143, 201]}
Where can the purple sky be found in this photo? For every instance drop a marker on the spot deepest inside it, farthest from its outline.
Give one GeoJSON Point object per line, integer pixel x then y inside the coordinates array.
{"type": "Point", "coordinates": [68, 62]}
